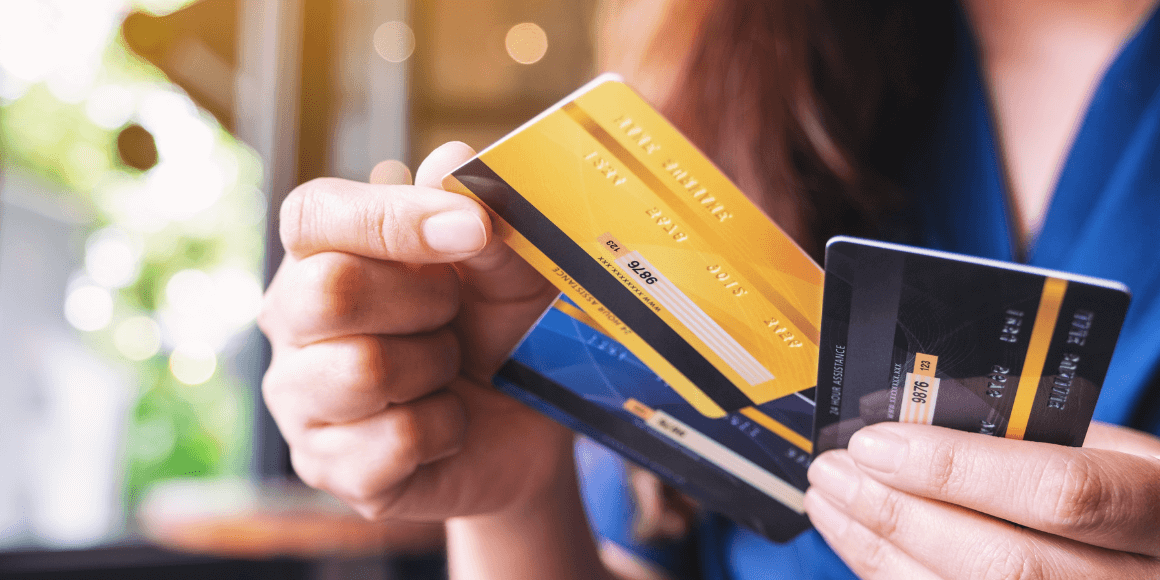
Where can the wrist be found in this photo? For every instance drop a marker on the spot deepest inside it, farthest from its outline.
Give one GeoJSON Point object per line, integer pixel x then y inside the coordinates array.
{"type": "Point", "coordinates": [551, 484]}
{"type": "Point", "coordinates": [545, 534]}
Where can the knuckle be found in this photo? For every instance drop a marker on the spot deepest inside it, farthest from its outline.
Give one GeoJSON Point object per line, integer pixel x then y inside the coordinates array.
{"type": "Point", "coordinates": [276, 395]}
{"type": "Point", "coordinates": [404, 438]}
{"type": "Point", "coordinates": [874, 557]}
{"type": "Point", "coordinates": [362, 489]}
{"type": "Point", "coordinates": [267, 316]}
{"type": "Point", "coordinates": [332, 286]}
{"type": "Point", "coordinates": [366, 368]}
{"type": "Point", "coordinates": [394, 230]}
{"type": "Point", "coordinates": [308, 469]}
{"type": "Point", "coordinates": [370, 495]}
{"type": "Point", "coordinates": [1079, 498]}
{"type": "Point", "coordinates": [272, 388]}
{"type": "Point", "coordinates": [271, 319]}
{"type": "Point", "coordinates": [945, 476]}
{"type": "Point", "coordinates": [1007, 561]}
{"type": "Point", "coordinates": [374, 511]}
{"type": "Point", "coordinates": [298, 217]}
{"type": "Point", "coordinates": [385, 504]}
{"type": "Point", "coordinates": [890, 512]}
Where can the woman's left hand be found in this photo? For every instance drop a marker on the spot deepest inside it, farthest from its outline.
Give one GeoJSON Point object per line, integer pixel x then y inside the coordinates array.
{"type": "Point", "coordinates": [914, 501]}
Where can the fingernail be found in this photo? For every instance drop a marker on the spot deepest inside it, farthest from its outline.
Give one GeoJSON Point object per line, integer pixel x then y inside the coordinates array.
{"type": "Point", "coordinates": [827, 518]}
{"type": "Point", "coordinates": [878, 449]}
{"type": "Point", "coordinates": [454, 232]}
{"type": "Point", "coordinates": [835, 476]}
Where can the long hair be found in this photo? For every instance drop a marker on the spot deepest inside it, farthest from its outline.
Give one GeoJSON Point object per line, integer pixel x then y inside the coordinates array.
{"type": "Point", "coordinates": [808, 105]}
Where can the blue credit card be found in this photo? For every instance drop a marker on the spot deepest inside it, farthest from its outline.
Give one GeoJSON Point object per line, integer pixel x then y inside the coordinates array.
{"type": "Point", "coordinates": [749, 465]}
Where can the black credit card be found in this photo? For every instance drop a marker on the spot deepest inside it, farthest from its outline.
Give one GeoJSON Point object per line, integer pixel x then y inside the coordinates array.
{"type": "Point", "coordinates": [922, 336]}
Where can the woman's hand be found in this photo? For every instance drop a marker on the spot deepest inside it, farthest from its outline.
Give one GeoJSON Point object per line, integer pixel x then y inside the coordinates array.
{"type": "Point", "coordinates": [388, 317]}
{"type": "Point", "coordinates": [913, 501]}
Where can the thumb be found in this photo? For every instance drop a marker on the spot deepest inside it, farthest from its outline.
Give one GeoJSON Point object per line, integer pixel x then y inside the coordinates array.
{"type": "Point", "coordinates": [496, 273]}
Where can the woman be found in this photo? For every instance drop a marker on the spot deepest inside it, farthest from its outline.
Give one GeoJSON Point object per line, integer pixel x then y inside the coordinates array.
{"type": "Point", "coordinates": [393, 307]}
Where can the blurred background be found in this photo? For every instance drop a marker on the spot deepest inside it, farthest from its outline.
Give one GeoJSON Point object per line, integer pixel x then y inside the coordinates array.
{"type": "Point", "coordinates": [145, 147]}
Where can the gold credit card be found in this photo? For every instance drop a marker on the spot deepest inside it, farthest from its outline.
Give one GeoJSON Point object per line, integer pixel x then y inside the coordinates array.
{"type": "Point", "coordinates": [611, 203]}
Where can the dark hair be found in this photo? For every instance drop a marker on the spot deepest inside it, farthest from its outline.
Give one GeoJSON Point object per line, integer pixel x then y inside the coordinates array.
{"type": "Point", "coordinates": [809, 105]}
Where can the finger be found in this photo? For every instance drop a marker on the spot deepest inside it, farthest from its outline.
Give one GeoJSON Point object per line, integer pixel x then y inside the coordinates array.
{"type": "Point", "coordinates": [442, 161]}
{"type": "Point", "coordinates": [391, 172]}
{"type": "Point", "coordinates": [495, 274]}
{"type": "Point", "coordinates": [353, 377]}
{"type": "Point", "coordinates": [367, 463]}
{"type": "Point", "coordinates": [869, 555]}
{"type": "Point", "coordinates": [334, 294]}
{"type": "Point", "coordinates": [1098, 497]}
{"type": "Point", "coordinates": [498, 460]}
{"type": "Point", "coordinates": [498, 284]}
{"type": "Point", "coordinates": [948, 540]}
{"type": "Point", "coordinates": [387, 222]}
{"type": "Point", "coordinates": [1116, 438]}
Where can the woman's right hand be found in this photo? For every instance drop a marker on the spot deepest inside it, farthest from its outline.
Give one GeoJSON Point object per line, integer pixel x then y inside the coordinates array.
{"type": "Point", "coordinates": [390, 313]}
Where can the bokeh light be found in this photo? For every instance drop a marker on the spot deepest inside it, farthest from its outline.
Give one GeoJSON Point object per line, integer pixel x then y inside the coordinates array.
{"type": "Point", "coordinates": [110, 106]}
{"type": "Point", "coordinates": [175, 124]}
{"type": "Point", "coordinates": [88, 307]}
{"type": "Point", "coordinates": [189, 290]}
{"type": "Point", "coordinates": [193, 364]}
{"type": "Point", "coordinates": [526, 43]}
{"type": "Point", "coordinates": [209, 309]}
{"type": "Point", "coordinates": [394, 41]}
{"type": "Point", "coordinates": [237, 296]}
{"type": "Point", "coordinates": [58, 42]}
{"type": "Point", "coordinates": [137, 338]}
{"type": "Point", "coordinates": [179, 190]}
{"type": "Point", "coordinates": [110, 258]}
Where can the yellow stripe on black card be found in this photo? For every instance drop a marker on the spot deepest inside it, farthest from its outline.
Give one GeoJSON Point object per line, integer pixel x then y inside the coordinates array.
{"type": "Point", "coordinates": [1041, 333]}
{"type": "Point", "coordinates": [779, 429]}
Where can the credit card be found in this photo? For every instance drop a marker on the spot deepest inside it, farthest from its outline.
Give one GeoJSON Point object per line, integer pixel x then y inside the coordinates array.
{"type": "Point", "coordinates": [920, 336]}
{"type": "Point", "coordinates": [749, 465]}
{"type": "Point", "coordinates": [631, 222]}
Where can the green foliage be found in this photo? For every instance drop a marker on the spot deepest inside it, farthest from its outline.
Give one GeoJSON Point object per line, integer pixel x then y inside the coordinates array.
{"type": "Point", "coordinates": [56, 141]}
{"type": "Point", "coordinates": [166, 438]}
{"type": "Point", "coordinates": [174, 430]}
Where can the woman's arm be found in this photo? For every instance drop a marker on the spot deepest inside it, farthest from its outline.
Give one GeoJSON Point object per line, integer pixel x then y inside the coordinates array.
{"type": "Point", "coordinates": [547, 537]}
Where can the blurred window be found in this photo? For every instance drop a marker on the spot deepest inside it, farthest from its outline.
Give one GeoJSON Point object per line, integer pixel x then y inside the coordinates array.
{"type": "Point", "coordinates": [131, 252]}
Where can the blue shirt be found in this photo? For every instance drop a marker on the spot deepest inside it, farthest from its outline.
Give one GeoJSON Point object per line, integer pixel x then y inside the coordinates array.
{"type": "Point", "coordinates": [1103, 220]}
